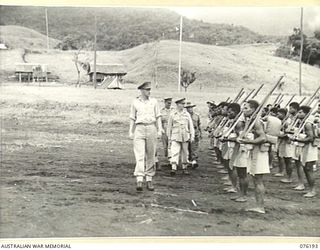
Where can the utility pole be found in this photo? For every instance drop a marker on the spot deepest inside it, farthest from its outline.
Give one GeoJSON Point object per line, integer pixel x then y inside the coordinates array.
{"type": "Point", "coordinates": [155, 64]}
{"type": "Point", "coordinates": [301, 49]}
{"type": "Point", "coordinates": [179, 72]}
{"type": "Point", "coordinates": [47, 27]}
{"type": "Point", "coordinates": [95, 53]}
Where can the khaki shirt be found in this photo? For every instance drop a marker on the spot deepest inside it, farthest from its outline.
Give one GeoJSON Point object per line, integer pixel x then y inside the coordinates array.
{"type": "Point", "coordinates": [144, 111]}
{"type": "Point", "coordinates": [180, 127]}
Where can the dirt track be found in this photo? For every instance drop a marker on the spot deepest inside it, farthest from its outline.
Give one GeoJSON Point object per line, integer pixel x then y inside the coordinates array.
{"type": "Point", "coordinates": [67, 177]}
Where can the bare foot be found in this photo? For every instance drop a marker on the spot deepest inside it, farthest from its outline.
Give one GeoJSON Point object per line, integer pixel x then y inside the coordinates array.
{"type": "Point", "coordinates": [286, 180]}
{"type": "Point", "coordinates": [256, 210]}
{"type": "Point", "coordinates": [299, 187]}
{"type": "Point", "coordinates": [241, 199]}
{"type": "Point", "coordinates": [310, 194]}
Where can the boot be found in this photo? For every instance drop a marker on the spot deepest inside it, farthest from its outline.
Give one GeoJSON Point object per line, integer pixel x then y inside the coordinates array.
{"type": "Point", "coordinates": [173, 169]}
{"type": "Point", "coordinates": [139, 186]}
{"type": "Point", "coordinates": [173, 172]}
{"type": "Point", "coordinates": [194, 164]}
{"type": "Point", "coordinates": [150, 186]}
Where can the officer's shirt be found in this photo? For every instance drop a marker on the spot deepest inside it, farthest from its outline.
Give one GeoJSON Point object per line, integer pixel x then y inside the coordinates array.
{"type": "Point", "coordinates": [180, 126]}
{"type": "Point", "coordinates": [144, 111]}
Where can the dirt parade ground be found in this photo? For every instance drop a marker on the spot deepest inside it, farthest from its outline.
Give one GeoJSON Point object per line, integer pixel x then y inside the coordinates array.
{"type": "Point", "coordinates": [67, 171]}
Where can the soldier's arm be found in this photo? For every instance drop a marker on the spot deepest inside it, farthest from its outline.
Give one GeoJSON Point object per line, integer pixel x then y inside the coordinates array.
{"type": "Point", "coordinates": [238, 128]}
{"type": "Point", "coordinates": [158, 117]}
{"type": "Point", "coordinates": [132, 126]}
{"type": "Point", "coordinates": [309, 133]}
{"type": "Point", "coordinates": [261, 136]}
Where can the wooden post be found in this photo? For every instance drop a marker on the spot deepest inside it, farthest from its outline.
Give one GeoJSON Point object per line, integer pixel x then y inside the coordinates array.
{"type": "Point", "coordinates": [179, 71]}
{"type": "Point", "coordinates": [95, 53]}
{"type": "Point", "coordinates": [301, 50]}
{"type": "Point", "coordinates": [47, 28]}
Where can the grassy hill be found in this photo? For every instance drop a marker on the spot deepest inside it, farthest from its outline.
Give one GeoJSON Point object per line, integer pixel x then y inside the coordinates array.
{"type": "Point", "coordinates": [216, 66]}
{"type": "Point", "coordinates": [21, 37]}
{"type": "Point", "coordinates": [123, 28]}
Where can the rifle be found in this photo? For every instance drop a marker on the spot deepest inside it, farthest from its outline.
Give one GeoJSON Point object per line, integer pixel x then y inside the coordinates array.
{"type": "Point", "coordinates": [280, 100]}
{"type": "Point", "coordinates": [246, 98]}
{"type": "Point", "coordinates": [276, 100]}
{"type": "Point", "coordinates": [295, 119]}
{"type": "Point", "coordinates": [304, 121]}
{"type": "Point", "coordinates": [227, 99]}
{"type": "Point", "coordinates": [302, 100]}
{"type": "Point", "coordinates": [236, 100]}
{"type": "Point", "coordinates": [237, 96]}
{"type": "Point", "coordinates": [309, 102]}
{"type": "Point", "coordinates": [256, 115]}
{"type": "Point", "coordinates": [225, 119]}
{"type": "Point", "coordinates": [289, 101]}
{"type": "Point", "coordinates": [258, 90]}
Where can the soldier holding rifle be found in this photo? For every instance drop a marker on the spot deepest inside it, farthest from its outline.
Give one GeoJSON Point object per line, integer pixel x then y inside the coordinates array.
{"type": "Point", "coordinates": [286, 149]}
{"type": "Point", "coordinates": [309, 153]}
{"type": "Point", "coordinates": [228, 143]}
{"type": "Point", "coordinates": [252, 155]}
{"type": "Point", "coordinates": [258, 160]}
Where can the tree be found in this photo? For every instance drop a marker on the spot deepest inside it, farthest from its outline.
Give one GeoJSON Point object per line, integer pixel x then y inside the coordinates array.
{"type": "Point", "coordinates": [311, 47]}
{"type": "Point", "coordinates": [187, 78]}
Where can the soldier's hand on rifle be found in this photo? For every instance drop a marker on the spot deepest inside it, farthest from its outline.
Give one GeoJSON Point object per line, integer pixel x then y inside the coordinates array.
{"type": "Point", "coordinates": [243, 140]}
{"type": "Point", "coordinates": [160, 133]}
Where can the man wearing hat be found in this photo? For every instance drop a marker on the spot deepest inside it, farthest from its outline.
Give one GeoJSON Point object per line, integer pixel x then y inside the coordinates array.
{"type": "Point", "coordinates": [145, 126]}
{"type": "Point", "coordinates": [165, 113]}
{"type": "Point", "coordinates": [180, 132]}
{"type": "Point", "coordinates": [194, 146]}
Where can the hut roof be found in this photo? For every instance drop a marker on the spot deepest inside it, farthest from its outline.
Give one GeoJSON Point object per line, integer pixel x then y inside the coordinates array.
{"type": "Point", "coordinates": [28, 67]}
{"type": "Point", "coordinates": [111, 69]}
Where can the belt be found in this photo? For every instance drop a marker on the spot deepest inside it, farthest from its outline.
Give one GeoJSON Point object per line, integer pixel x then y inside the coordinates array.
{"type": "Point", "coordinates": [146, 124]}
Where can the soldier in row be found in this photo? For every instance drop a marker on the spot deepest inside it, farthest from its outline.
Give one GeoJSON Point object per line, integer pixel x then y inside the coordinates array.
{"type": "Point", "coordinates": [250, 151]}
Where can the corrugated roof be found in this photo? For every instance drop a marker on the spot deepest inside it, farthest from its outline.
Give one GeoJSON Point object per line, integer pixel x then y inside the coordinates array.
{"type": "Point", "coordinates": [108, 68]}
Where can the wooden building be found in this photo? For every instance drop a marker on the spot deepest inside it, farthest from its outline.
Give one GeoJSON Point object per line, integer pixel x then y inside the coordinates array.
{"type": "Point", "coordinates": [31, 71]}
{"type": "Point", "coordinates": [107, 71]}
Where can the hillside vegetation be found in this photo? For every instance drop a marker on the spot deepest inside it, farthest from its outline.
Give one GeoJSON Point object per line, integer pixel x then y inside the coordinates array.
{"type": "Point", "coordinates": [123, 28]}
{"type": "Point", "coordinates": [21, 37]}
{"type": "Point", "coordinates": [216, 67]}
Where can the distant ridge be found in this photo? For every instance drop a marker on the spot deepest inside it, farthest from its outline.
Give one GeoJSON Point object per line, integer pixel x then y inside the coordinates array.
{"type": "Point", "coordinates": [21, 37]}
{"type": "Point", "coordinates": [123, 28]}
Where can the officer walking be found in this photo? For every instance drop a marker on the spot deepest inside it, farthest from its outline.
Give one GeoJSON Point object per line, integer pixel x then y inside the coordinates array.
{"type": "Point", "coordinates": [145, 126]}
{"type": "Point", "coordinates": [180, 131]}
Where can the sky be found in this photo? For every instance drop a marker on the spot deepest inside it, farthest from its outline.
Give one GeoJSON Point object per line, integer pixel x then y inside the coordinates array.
{"type": "Point", "coordinates": [264, 20]}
